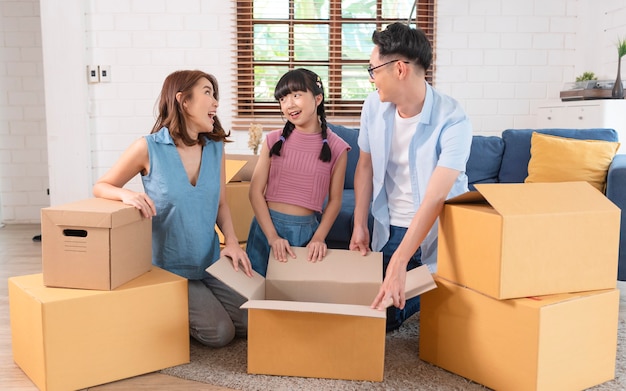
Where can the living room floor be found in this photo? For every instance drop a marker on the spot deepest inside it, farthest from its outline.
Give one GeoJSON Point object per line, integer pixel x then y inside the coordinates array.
{"type": "Point", "coordinates": [20, 255]}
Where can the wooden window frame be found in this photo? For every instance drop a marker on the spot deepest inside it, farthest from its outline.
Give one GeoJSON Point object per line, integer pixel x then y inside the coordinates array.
{"type": "Point", "coordinates": [338, 110]}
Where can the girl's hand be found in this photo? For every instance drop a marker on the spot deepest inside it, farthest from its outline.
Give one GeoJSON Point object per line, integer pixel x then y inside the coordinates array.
{"type": "Point", "coordinates": [281, 248]}
{"type": "Point", "coordinates": [140, 201]}
{"type": "Point", "coordinates": [317, 250]}
{"type": "Point", "coordinates": [238, 257]}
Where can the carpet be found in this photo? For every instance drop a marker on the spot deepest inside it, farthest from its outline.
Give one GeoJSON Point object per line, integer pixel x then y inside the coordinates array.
{"type": "Point", "coordinates": [404, 370]}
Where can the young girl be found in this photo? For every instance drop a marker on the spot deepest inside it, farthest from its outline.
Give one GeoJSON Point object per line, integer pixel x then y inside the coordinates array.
{"type": "Point", "coordinates": [182, 169]}
{"type": "Point", "coordinates": [298, 167]}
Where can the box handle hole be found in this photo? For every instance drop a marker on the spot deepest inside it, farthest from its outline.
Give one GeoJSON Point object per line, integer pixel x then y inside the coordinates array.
{"type": "Point", "coordinates": [79, 233]}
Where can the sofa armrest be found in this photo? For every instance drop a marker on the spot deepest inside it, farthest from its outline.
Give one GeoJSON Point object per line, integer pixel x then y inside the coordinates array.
{"type": "Point", "coordinates": [616, 181]}
{"type": "Point", "coordinates": [616, 192]}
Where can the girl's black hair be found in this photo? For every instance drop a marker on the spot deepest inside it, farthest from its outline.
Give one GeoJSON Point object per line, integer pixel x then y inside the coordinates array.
{"type": "Point", "coordinates": [302, 80]}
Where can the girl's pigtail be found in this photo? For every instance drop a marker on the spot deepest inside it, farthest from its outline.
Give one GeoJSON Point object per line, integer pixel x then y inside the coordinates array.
{"type": "Point", "coordinates": [275, 150]}
{"type": "Point", "coordinates": [325, 153]}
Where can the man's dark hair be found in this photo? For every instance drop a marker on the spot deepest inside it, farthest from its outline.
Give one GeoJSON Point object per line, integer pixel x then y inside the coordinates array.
{"type": "Point", "coordinates": [410, 43]}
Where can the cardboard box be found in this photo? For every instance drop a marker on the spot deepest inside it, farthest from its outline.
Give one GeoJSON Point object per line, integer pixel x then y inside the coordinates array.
{"type": "Point", "coordinates": [240, 209]}
{"type": "Point", "coordinates": [94, 244]}
{"type": "Point", "coordinates": [557, 342]}
{"type": "Point", "coordinates": [530, 239]}
{"type": "Point", "coordinates": [245, 173]}
{"type": "Point", "coordinates": [313, 319]}
{"type": "Point", "coordinates": [69, 339]}
{"type": "Point", "coordinates": [237, 197]}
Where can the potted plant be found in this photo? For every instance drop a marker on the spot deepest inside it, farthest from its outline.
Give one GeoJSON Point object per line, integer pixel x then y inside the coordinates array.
{"type": "Point", "coordinates": [618, 88]}
{"type": "Point", "coordinates": [586, 81]}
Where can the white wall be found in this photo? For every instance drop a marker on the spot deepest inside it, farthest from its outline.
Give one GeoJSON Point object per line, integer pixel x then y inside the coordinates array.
{"type": "Point", "coordinates": [23, 153]}
{"type": "Point", "coordinates": [500, 58]}
{"type": "Point", "coordinates": [503, 58]}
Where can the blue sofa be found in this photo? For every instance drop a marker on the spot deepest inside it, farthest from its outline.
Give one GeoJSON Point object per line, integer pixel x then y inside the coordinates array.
{"type": "Point", "coordinates": [493, 159]}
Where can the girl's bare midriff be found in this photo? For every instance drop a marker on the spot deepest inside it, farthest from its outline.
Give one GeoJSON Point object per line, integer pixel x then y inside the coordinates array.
{"type": "Point", "coordinates": [289, 209]}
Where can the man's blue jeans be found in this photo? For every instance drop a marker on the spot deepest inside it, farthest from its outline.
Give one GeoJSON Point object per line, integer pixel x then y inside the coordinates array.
{"type": "Point", "coordinates": [395, 316]}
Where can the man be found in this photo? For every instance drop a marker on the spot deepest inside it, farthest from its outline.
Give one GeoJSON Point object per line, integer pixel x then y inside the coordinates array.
{"type": "Point", "coordinates": [414, 145]}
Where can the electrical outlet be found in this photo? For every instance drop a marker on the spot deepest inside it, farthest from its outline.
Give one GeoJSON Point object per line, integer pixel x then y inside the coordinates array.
{"type": "Point", "coordinates": [105, 73]}
{"type": "Point", "coordinates": [93, 75]}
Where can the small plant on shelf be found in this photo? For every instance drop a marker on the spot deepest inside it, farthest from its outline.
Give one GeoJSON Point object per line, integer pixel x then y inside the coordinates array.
{"type": "Point", "coordinates": [586, 76]}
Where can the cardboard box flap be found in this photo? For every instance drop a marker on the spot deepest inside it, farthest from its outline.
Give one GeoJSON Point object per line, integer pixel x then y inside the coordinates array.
{"type": "Point", "coordinates": [325, 308]}
{"type": "Point", "coordinates": [252, 288]}
{"type": "Point", "coordinates": [93, 212]}
{"type": "Point", "coordinates": [544, 198]}
{"type": "Point", "coordinates": [418, 281]}
{"type": "Point", "coordinates": [470, 197]}
{"type": "Point", "coordinates": [232, 168]}
{"type": "Point", "coordinates": [342, 270]}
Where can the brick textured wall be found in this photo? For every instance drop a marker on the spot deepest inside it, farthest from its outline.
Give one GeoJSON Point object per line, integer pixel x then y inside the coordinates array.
{"type": "Point", "coordinates": [23, 161]}
{"type": "Point", "coordinates": [500, 58]}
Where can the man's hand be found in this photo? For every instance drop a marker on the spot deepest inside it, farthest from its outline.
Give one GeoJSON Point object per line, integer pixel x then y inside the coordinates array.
{"type": "Point", "coordinates": [391, 291]}
{"type": "Point", "coordinates": [360, 240]}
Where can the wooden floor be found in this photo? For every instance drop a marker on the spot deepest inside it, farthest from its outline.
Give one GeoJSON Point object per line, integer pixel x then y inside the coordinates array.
{"type": "Point", "coordinates": [19, 255]}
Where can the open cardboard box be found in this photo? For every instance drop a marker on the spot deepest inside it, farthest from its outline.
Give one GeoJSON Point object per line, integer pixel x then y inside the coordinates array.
{"type": "Point", "coordinates": [314, 319]}
{"type": "Point", "coordinates": [511, 240]}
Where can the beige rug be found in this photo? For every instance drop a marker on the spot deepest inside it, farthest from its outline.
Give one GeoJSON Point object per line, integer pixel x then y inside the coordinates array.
{"type": "Point", "coordinates": [403, 369]}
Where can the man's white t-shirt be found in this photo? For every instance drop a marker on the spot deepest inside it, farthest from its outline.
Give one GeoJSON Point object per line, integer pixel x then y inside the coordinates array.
{"type": "Point", "coordinates": [398, 175]}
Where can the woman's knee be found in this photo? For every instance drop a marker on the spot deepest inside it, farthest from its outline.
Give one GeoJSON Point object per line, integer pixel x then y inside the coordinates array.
{"type": "Point", "coordinates": [218, 334]}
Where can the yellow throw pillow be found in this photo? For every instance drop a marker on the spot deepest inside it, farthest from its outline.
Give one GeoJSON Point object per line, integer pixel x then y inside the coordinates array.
{"type": "Point", "coordinates": [561, 159]}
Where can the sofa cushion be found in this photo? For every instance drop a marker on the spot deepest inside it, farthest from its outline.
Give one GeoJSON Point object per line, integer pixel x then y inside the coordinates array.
{"type": "Point", "coordinates": [514, 168]}
{"type": "Point", "coordinates": [351, 136]}
{"type": "Point", "coordinates": [561, 159]}
{"type": "Point", "coordinates": [484, 160]}
{"type": "Point", "coordinates": [341, 231]}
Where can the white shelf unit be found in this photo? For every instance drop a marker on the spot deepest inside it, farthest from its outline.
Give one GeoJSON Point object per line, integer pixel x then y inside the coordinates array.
{"type": "Point", "coordinates": [585, 114]}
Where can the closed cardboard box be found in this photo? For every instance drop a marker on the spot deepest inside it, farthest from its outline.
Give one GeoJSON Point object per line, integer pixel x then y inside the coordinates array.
{"type": "Point", "coordinates": [69, 339]}
{"type": "Point", "coordinates": [240, 210]}
{"type": "Point", "coordinates": [94, 244]}
{"type": "Point", "coordinates": [237, 196]}
{"type": "Point", "coordinates": [528, 239]}
{"type": "Point", "coordinates": [313, 319]}
{"type": "Point", "coordinates": [551, 343]}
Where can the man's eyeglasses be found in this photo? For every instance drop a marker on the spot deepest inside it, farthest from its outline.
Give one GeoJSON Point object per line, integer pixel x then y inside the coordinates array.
{"type": "Point", "coordinates": [370, 70]}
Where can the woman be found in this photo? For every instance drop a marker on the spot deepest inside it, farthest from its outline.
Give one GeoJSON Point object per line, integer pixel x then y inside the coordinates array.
{"type": "Point", "coordinates": [181, 164]}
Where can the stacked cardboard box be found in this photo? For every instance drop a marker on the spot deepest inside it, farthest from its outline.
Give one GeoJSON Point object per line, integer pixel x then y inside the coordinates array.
{"type": "Point", "coordinates": [526, 296]}
{"type": "Point", "coordinates": [94, 244]}
{"type": "Point", "coordinates": [100, 311]}
{"type": "Point", "coordinates": [238, 174]}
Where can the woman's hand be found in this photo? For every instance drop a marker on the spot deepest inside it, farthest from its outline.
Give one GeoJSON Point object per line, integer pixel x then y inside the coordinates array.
{"type": "Point", "coordinates": [140, 201]}
{"type": "Point", "coordinates": [238, 257]}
